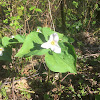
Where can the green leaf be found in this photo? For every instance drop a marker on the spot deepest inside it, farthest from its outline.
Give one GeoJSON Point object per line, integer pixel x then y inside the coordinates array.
{"type": "Point", "coordinates": [37, 52]}
{"type": "Point", "coordinates": [6, 54]}
{"type": "Point", "coordinates": [97, 97]}
{"type": "Point", "coordinates": [75, 4]}
{"type": "Point", "coordinates": [94, 22]}
{"type": "Point", "coordinates": [22, 7]}
{"type": "Point", "coordinates": [0, 40]}
{"type": "Point", "coordinates": [20, 38]}
{"type": "Point", "coordinates": [31, 8]}
{"type": "Point", "coordinates": [19, 11]}
{"type": "Point", "coordinates": [47, 32]}
{"type": "Point", "coordinates": [28, 44]}
{"type": "Point", "coordinates": [5, 21]}
{"type": "Point", "coordinates": [96, 6]}
{"type": "Point", "coordinates": [71, 88]}
{"type": "Point", "coordinates": [64, 62]}
{"type": "Point", "coordinates": [5, 41]}
{"type": "Point", "coordinates": [38, 10]}
{"type": "Point", "coordinates": [67, 39]}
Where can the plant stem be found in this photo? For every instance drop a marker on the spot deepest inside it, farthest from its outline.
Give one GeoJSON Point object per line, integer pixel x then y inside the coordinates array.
{"type": "Point", "coordinates": [48, 75]}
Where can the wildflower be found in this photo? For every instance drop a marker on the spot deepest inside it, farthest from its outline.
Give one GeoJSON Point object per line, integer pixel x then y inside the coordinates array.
{"type": "Point", "coordinates": [12, 36]}
{"type": "Point", "coordinates": [77, 27]}
{"type": "Point", "coordinates": [1, 51]}
{"type": "Point", "coordinates": [52, 43]}
{"type": "Point", "coordinates": [38, 30]}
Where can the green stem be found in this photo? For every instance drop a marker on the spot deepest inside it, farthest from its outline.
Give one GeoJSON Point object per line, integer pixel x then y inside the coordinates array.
{"type": "Point", "coordinates": [48, 75]}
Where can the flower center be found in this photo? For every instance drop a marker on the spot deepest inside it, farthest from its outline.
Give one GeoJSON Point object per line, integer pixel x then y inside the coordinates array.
{"type": "Point", "coordinates": [37, 30]}
{"type": "Point", "coordinates": [0, 49]}
{"type": "Point", "coordinates": [53, 42]}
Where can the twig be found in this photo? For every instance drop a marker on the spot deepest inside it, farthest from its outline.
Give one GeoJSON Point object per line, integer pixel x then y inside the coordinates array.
{"type": "Point", "coordinates": [58, 4]}
{"type": "Point", "coordinates": [91, 92]}
{"type": "Point", "coordinates": [25, 90]}
{"type": "Point", "coordinates": [96, 31]}
{"type": "Point", "coordinates": [94, 55]}
{"type": "Point", "coordinates": [21, 79]}
{"type": "Point", "coordinates": [28, 26]}
{"type": "Point", "coordinates": [67, 75]}
{"type": "Point", "coordinates": [25, 20]}
{"type": "Point", "coordinates": [52, 24]}
{"type": "Point", "coordinates": [13, 94]}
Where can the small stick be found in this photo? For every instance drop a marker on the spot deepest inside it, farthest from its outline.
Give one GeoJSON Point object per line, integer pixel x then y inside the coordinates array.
{"type": "Point", "coordinates": [21, 79]}
{"type": "Point", "coordinates": [52, 24]}
{"type": "Point", "coordinates": [25, 90]}
{"type": "Point", "coordinates": [67, 75]}
{"type": "Point", "coordinates": [48, 74]}
{"type": "Point", "coordinates": [13, 94]}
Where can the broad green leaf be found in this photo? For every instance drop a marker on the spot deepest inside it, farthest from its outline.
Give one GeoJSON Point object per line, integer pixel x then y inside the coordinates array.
{"type": "Point", "coordinates": [5, 41]}
{"type": "Point", "coordinates": [64, 62]}
{"type": "Point", "coordinates": [20, 38]}
{"type": "Point", "coordinates": [37, 52]}
{"type": "Point", "coordinates": [6, 54]}
{"type": "Point", "coordinates": [47, 32]}
{"type": "Point", "coordinates": [31, 39]}
{"type": "Point", "coordinates": [35, 37]}
{"type": "Point", "coordinates": [67, 39]}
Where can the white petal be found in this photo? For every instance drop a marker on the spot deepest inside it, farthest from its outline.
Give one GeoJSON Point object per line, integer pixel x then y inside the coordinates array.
{"type": "Point", "coordinates": [51, 37]}
{"type": "Point", "coordinates": [52, 47]}
{"type": "Point", "coordinates": [56, 37]}
{"type": "Point", "coordinates": [1, 49]}
{"type": "Point", "coordinates": [1, 53]}
{"type": "Point", "coordinates": [46, 45]}
{"type": "Point", "coordinates": [38, 31]}
{"type": "Point", "coordinates": [12, 36]}
{"type": "Point", "coordinates": [55, 48]}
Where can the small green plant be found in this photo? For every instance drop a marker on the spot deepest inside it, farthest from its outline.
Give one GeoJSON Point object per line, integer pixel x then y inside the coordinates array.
{"type": "Point", "coordinates": [3, 93]}
{"type": "Point", "coordinates": [59, 58]}
{"type": "Point", "coordinates": [59, 53]}
{"type": "Point", "coordinates": [6, 46]}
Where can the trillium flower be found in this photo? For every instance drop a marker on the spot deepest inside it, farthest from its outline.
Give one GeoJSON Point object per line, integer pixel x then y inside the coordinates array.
{"type": "Point", "coordinates": [38, 30]}
{"type": "Point", "coordinates": [12, 36]}
{"type": "Point", "coordinates": [52, 43]}
{"type": "Point", "coordinates": [1, 51]}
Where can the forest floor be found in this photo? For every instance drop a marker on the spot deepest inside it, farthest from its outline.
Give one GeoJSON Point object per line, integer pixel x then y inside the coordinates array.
{"type": "Point", "coordinates": [28, 79]}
